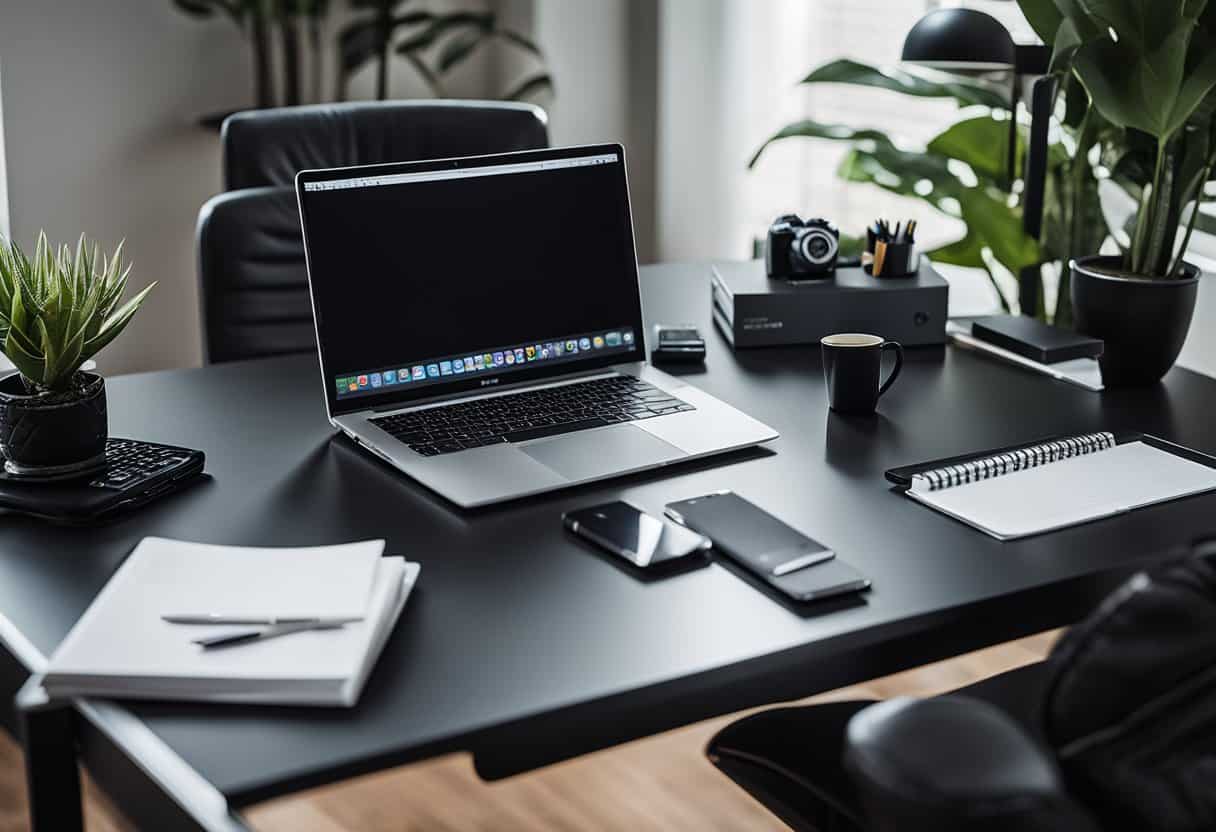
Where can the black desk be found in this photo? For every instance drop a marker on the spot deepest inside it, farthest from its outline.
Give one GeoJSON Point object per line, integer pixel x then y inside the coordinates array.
{"type": "Point", "coordinates": [525, 647]}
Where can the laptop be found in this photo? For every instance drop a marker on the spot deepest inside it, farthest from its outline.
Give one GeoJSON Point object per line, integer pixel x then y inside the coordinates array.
{"type": "Point", "coordinates": [480, 328]}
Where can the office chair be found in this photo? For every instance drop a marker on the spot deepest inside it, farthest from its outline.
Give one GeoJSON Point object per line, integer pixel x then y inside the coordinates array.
{"type": "Point", "coordinates": [1115, 731]}
{"type": "Point", "coordinates": [253, 283]}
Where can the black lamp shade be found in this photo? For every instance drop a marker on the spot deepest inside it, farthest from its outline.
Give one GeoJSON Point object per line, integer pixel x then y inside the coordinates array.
{"type": "Point", "coordinates": [957, 39]}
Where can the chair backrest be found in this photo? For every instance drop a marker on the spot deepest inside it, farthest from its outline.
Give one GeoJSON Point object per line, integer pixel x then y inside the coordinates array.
{"type": "Point", "coordinates": [253, 281]}
{"type": "Point", "coordinates": [268, 147]}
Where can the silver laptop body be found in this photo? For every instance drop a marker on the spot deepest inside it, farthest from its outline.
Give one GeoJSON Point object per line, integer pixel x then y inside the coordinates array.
{"type": "Point", "coordinates": [483, 278]}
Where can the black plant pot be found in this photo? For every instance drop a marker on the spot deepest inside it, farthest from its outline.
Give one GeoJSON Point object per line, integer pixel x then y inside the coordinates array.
{"type": "Point", "coordinates": [53, 434]}
{"type": "Point", "coordinates": [1143, 322]}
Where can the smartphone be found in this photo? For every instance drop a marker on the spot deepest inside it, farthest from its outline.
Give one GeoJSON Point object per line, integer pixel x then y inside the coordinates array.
{"type": "Point", "coordinates": [645, 541]}
{"type": "Point", "coordinates": [778, 554]}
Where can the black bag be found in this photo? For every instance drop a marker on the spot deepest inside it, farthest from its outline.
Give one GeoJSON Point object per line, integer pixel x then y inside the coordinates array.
{"type": "Point", "coordinates": [1131, 706]}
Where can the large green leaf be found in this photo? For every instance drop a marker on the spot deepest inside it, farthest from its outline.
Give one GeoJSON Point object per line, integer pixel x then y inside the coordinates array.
{"type": "Point", "coordinates": [982, 142]}
{"type": "Point", "coordinates": [968, 251]}
{"type": "Point", "coordinates": [1043, 17]}
{"type": "Point", "coordinates": [1151, 64]}
{"type": "Point", "coordinates": [929, 85]}
{"type": "Point", "coordinates": [986, 214]}
{"type": "Point", "coordinates": [811, 129]}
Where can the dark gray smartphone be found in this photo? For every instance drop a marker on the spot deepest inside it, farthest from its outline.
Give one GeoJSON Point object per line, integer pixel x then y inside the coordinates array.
{"type": "Point", "coordinates": [778, 554]}
{"type": "Point", "coordinates": [628, 532]}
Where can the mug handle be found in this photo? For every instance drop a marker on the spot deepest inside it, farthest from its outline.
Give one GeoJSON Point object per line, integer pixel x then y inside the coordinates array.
{"type": "Point", "coordinates": [899, 364]}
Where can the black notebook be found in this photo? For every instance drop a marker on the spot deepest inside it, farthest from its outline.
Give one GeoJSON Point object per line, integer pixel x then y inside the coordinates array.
{"type": "Point", "coordinates": [1030, 489]}
{"type": "Point", "coordinates": [1034, 339]}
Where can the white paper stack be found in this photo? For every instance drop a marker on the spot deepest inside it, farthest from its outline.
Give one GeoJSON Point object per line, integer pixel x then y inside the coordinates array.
{"type": "Point", "coordinates": [122, 648]}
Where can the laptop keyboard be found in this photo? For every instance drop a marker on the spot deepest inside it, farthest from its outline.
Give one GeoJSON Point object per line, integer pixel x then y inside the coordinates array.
{"type": "Point", "coordinates": [532, 414]}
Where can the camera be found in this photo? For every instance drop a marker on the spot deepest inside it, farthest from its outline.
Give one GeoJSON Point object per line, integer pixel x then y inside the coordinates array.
{"type": "Point", "coordinates": [801, 248]}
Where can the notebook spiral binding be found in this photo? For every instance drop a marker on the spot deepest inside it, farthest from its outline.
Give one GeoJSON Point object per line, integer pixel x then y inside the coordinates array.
{"type": "Point", "coordinates": [1032, 457]}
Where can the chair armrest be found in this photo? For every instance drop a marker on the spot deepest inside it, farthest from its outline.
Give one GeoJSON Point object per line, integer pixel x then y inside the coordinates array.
{"type": "Point", "coordinates": [954, 763]}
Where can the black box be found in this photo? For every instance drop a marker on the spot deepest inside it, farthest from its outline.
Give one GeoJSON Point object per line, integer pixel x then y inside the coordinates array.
{"type": "Point", "coordinates": [753, 310]}
{"type": "Point", "coordinates": [1034, 339]}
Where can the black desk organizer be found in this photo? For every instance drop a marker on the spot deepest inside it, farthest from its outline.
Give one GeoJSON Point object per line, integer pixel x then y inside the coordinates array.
{"type": "Point", "coordinates": [896, 260]}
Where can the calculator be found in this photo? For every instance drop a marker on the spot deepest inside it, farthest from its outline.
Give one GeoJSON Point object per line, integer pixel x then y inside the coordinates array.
{"type": "Point", "coordinates": [135, 474]}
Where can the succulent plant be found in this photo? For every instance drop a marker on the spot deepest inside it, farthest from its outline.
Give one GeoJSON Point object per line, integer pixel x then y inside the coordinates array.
{"type": "Point", "coordinates": [58, 309]}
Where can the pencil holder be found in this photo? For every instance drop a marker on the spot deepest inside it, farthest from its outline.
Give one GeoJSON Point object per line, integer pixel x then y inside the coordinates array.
{"type": "Point", "coordinates": [890, 259]}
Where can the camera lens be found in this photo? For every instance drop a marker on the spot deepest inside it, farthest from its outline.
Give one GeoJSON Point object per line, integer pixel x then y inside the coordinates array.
{"type": "Point", "coordinates": [818, 246]}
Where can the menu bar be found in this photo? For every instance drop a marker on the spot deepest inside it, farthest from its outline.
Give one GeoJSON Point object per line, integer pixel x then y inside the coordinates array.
{"type": "Point", "coordinates": [459, 173]}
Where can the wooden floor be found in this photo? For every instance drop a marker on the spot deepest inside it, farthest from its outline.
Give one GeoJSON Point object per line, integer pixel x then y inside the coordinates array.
{"type": "Point", "coordinates": [660, 783]}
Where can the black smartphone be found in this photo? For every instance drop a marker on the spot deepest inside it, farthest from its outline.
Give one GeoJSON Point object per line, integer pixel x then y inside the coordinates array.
{"type": "Point", "coordinates": [644, 540]}
{"type": "Point", "coordinates": [778, 554]}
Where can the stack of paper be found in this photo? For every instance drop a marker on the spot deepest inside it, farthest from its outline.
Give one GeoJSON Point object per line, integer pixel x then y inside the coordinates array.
{"type": "Point", "coordinates": [122, 647]}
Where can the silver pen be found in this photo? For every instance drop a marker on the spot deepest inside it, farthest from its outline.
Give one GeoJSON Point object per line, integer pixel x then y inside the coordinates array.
{"type": "Point", "coordinates": [233, 638]}
{"type": "Point", "coordinates": [264, 621]}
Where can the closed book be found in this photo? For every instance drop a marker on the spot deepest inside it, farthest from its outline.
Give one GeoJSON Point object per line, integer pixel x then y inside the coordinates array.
{"type": "Point", "coordinates": [122, 648]}
{"type": "Point", "coordinates": [1034, 339]}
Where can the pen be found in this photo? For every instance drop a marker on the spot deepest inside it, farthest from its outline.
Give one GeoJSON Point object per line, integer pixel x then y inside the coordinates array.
{"type": "Point", "coordinates": [231, 639]}
{"type": "Point", "coordinates": [219, 618]}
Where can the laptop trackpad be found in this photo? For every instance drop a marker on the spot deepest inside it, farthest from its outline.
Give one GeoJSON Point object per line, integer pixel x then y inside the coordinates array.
{"type": "Point", "coordinates": [592, 453]}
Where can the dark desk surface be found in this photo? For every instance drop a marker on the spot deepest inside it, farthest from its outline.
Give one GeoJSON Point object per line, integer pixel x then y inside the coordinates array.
{"type": "Point", "coordinates": [523, 645]}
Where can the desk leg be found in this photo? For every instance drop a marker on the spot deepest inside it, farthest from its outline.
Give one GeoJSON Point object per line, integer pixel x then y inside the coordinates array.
{"type": "Point", "coordinates": [48, 735]}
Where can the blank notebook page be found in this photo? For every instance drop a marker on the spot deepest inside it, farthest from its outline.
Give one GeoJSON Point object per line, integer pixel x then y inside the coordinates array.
{"type": "Point", "coordinates": [182, 578]}
{"type": "Point", "coordinates": [1071, 491]}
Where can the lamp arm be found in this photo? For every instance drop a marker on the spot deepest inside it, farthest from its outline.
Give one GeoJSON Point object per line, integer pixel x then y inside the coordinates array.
{"type": "Point", "coordinates": [1041, 97]}
{"type": "Point", "coordinates": [1012, 145]}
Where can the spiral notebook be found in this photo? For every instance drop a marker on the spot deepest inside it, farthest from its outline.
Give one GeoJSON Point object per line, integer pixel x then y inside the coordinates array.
{"type": "Point", "coordinates": [1031, 489]}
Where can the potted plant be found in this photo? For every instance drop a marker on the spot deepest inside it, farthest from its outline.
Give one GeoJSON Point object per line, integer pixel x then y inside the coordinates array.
{"type": "Point", "coordinates": [1150, 88]}
{"type": "Point", "coordinates": [57, 310]}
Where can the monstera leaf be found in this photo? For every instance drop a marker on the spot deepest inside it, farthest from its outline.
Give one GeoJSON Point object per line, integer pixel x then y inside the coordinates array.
{"type": "Point", "coordinates": [1153, 67]}
{"type": "Point", "coordinates": [962, 90]}
{"type": "Point", "coordinates": [981, 142]}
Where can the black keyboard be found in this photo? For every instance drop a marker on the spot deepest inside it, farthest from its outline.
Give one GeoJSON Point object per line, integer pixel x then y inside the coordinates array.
{"type": "Point", "coordinates": [532, 414]}
{"type": "Point", "coordinates": [130, 462]}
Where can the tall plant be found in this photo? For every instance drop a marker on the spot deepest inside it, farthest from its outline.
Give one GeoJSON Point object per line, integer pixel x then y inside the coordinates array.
{"type": "Point", "coordinates": [454, 36]}
{"type": "Point", "coordinates": [1142, 75]}
{"type": "Point", "coordinates": [293, 23]}
{"type": "Point", "coordinates": [380, 30]}
{"type": "Point", "coordinates": [962, 172]}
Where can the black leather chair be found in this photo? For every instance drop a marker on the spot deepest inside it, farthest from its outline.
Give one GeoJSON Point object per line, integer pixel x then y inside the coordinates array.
{"type": "Point", "coordinates": [1114, 732]}
{"type": "Point", "coordinates": [268, 147]}
{"type": "Point", "coordinates": [253, 285]}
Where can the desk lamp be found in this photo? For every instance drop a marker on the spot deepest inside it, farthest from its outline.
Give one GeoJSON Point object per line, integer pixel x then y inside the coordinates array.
{"type": "Point", "coordinates": [969, 42]}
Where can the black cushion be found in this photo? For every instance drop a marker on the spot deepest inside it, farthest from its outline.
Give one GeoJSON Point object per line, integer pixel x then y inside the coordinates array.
{"type": "Point", "coordinates": [254, 287]}
{"type": "Point", "coordinates": [268, 147]}
{"type": "Point", "coordinates": [1131, 704]}
{"type": "Point", "coordinates": [954, 764]}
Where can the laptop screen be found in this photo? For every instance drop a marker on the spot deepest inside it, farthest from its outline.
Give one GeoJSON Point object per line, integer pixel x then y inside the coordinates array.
{"type": "Point", "coordinates": [435, 277]}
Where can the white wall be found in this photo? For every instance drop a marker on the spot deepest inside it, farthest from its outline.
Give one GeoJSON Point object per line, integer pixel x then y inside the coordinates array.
{"type": "Point", "coordinates": [584, 42]}
{"type": "Point", "coordinates": [99, 107]}
{"type": "Point", "coordinates": [601, 54]}
{"type": "Point", "coordinates": [3, 180]}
